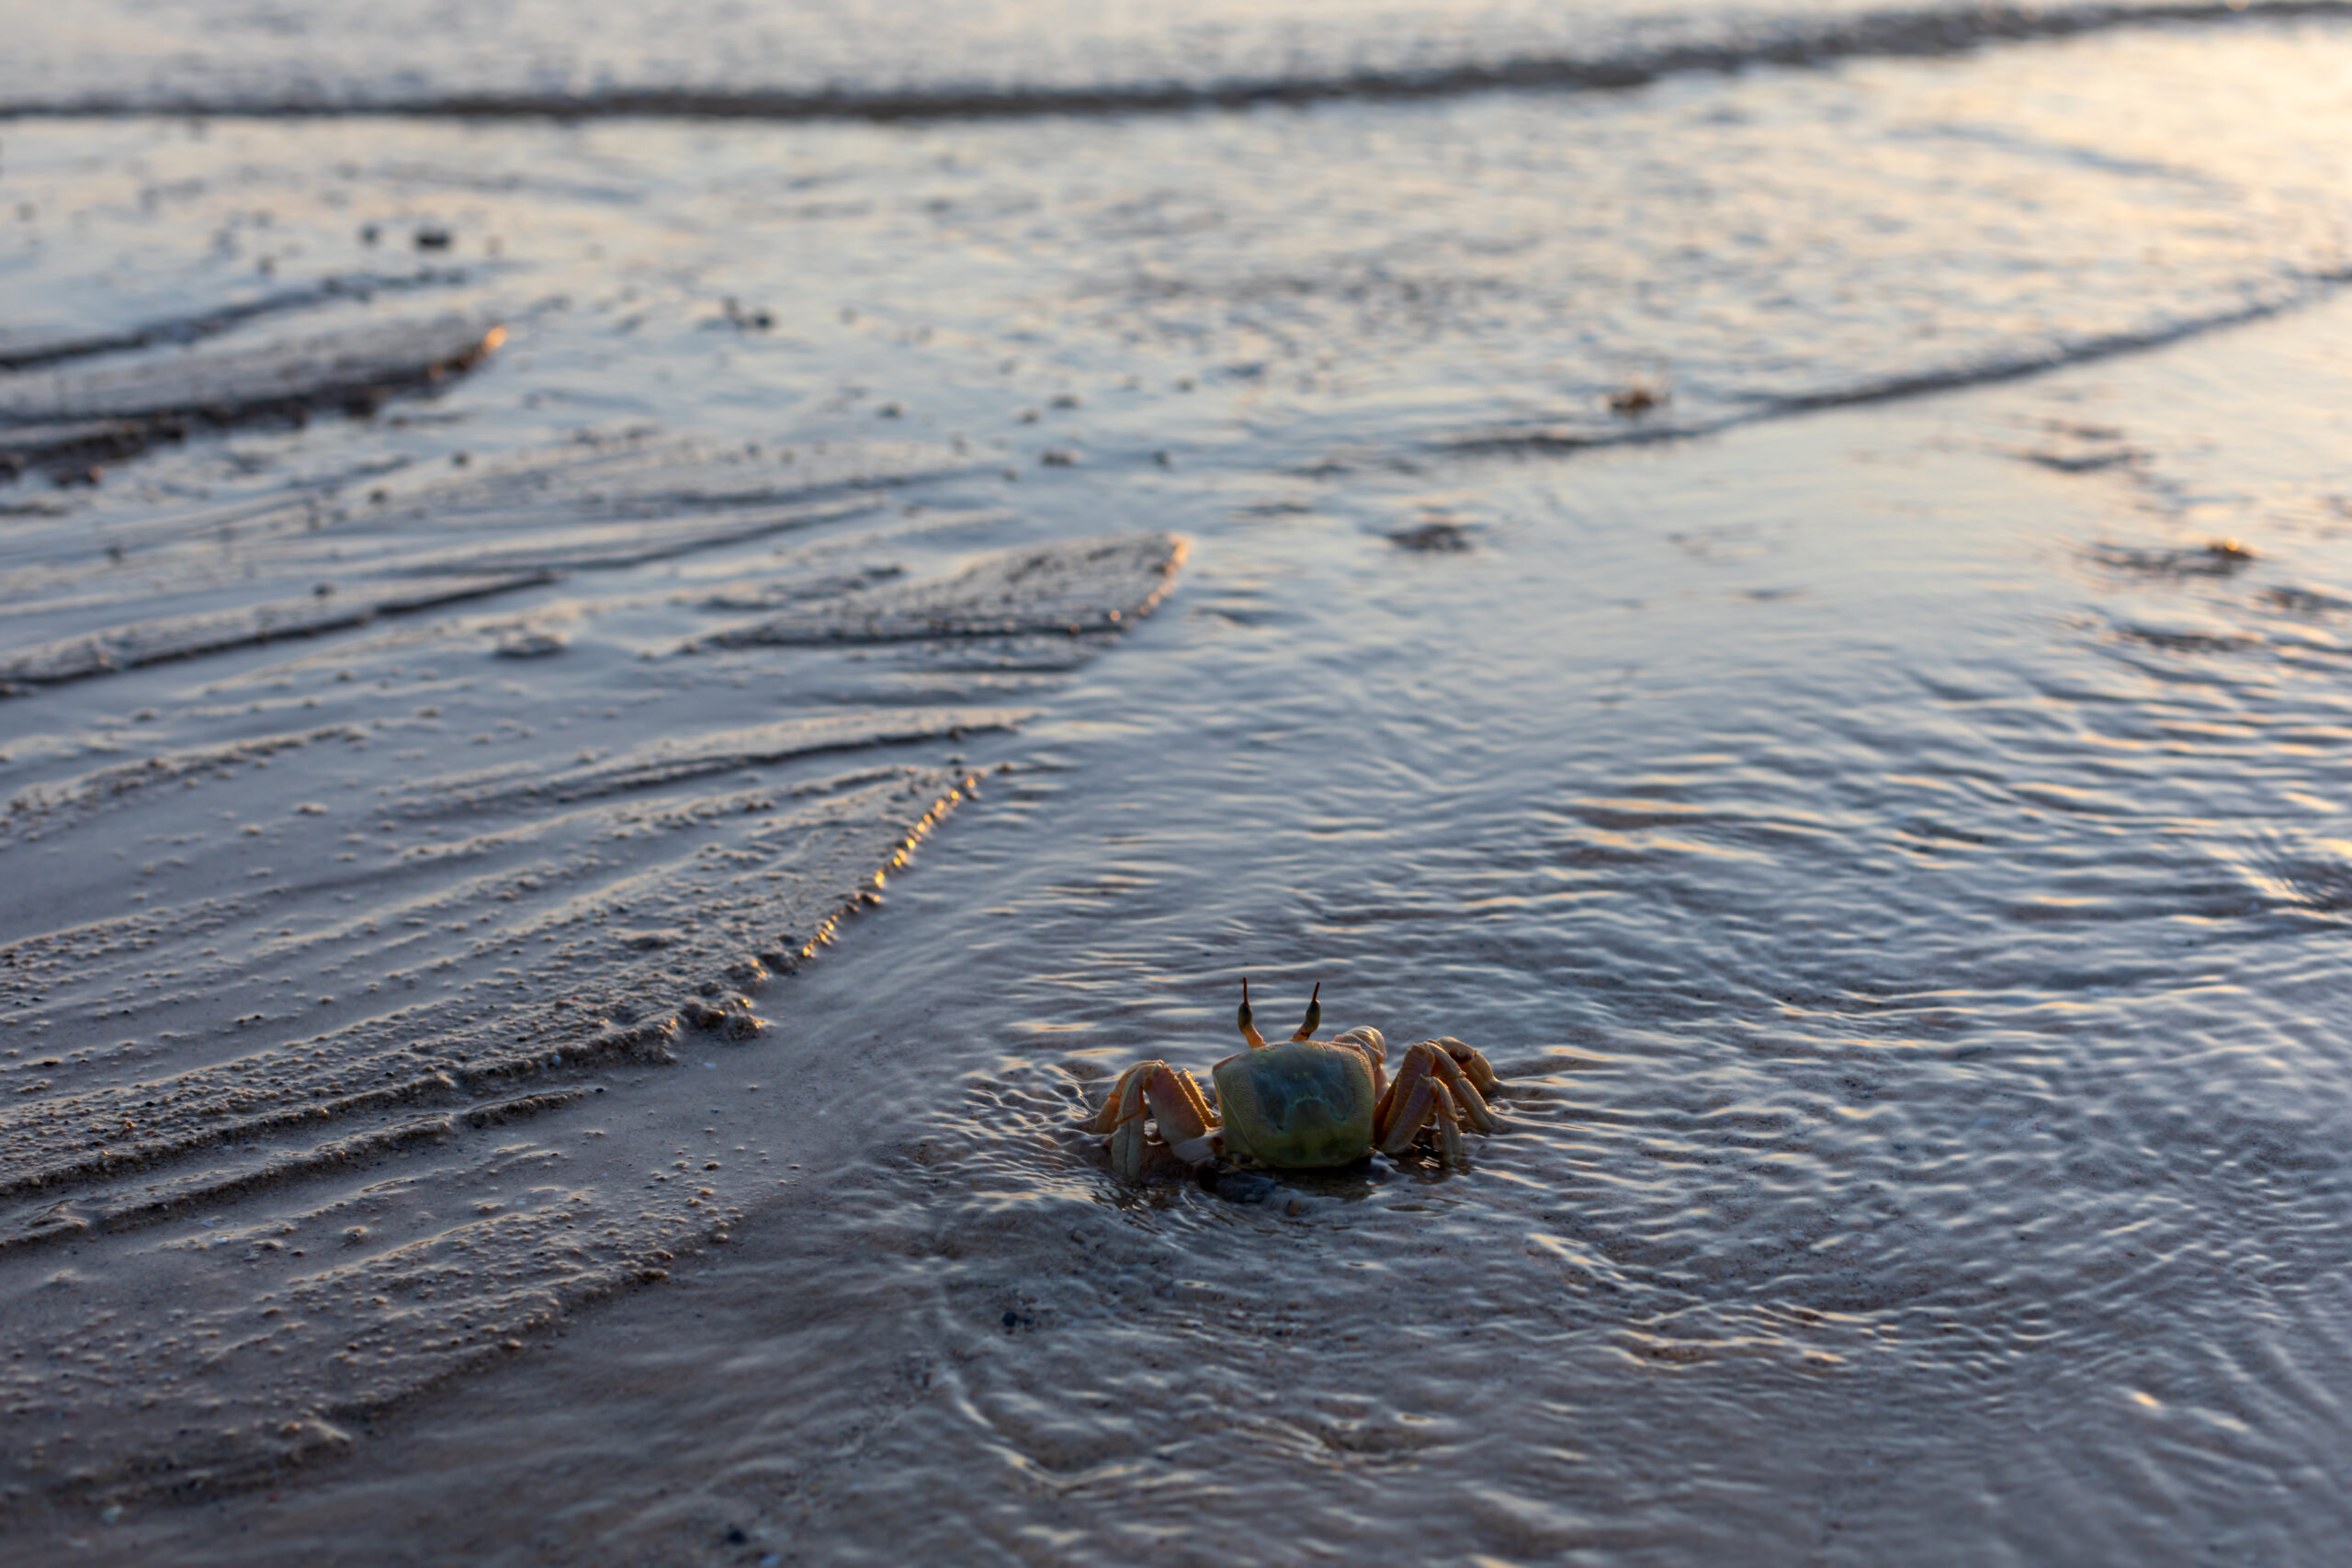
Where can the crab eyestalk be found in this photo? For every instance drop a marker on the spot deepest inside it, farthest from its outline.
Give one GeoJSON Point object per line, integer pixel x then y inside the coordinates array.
{"type": "Point", "coordinates": [1249, 1030]}
{"type": "Point", "coordinates": [1314, 1014]}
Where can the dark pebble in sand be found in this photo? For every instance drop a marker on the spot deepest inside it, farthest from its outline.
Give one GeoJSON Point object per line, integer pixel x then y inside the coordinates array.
{"type": "Point", "coordinates": [1433, 539]}
{"type": "Point", "coordinates": [1637, 399]}
{"type": "Point", "coordinates": [530, 645]}
{"type": "Point", "coordinates": [431, 239]}
{"type": "Point", "coordinates": [742, 320]}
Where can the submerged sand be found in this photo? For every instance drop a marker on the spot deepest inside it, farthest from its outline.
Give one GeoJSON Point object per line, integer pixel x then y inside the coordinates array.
{"type": "Point", "coordinates": [270, 1210]}
{"type": "Point", "coordinates": [509, 1054]}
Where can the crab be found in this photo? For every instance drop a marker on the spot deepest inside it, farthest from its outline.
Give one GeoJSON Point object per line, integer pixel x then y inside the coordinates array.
{"type": "Point", "coordinates": [1301, 1103]}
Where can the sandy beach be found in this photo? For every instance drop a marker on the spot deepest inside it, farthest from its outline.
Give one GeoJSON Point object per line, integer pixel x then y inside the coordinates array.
{"type": "Point", "coordinates": [615, 727]}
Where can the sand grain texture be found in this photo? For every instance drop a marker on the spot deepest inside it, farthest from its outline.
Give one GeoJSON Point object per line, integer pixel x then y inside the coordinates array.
{"type": "Point", "coordinates": [115, 405]}
{"type": "Point", "coordinates": [284, 1144]}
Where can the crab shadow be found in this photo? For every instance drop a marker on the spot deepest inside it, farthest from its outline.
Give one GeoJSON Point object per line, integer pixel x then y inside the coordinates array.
{"type": "Point", "coordinates": [1298, 1190]}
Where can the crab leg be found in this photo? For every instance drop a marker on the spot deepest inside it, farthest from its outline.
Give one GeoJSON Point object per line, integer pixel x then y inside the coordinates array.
{"type": "Point", "coordinates": [1405, 1110]}
{"type": "Point", "coordinates": [1125, 1100]}
{"type": "Point", "coordinates": [1421, 1099]}
{"type": "Point", "coordinates": [1168, 1095]}
{"type": "Point", "coordinates": [1449, 1127]}
{"type": "Point", "coordinates": [1474, 1065]}
{"type": "Point", "coordinates": [1474, 1114]}
{"type": "Point", "coordinates": [1430, 1086]}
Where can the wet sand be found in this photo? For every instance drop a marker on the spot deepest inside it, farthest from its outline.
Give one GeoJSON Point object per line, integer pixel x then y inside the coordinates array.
{"type": "Point", "coordinates": [941, 1330]}
{"type": "Point", "coordinates": [574, 865]}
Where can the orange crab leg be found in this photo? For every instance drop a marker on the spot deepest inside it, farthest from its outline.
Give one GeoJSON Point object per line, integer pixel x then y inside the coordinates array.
{"type": "Point", "coordinates": [1423, 1100]}
{"type": "Point", "coordinates": [1125, 1100]}
{"type": "Point", "coordinates": [1405, 1110]}
{"type": "Point", "coordinates": [1449, 1127]}
{"type": "Point", "coordinates": [1480, 1072]}
{"type": "Point", "coordinates": [1473, 1105]}
{"type": "Point", "coordinates": [1430, 1086]}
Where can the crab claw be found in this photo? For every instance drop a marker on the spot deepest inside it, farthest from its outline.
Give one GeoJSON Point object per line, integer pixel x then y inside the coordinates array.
{"type": "Point", "coordinates": [1165, 1094]}
{"type": "Point", "coordinates": [1209, 1145]}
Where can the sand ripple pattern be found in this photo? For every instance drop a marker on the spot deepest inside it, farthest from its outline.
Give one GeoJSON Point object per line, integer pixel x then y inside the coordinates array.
{"type": "Point", "coordinates": [337, 1190]}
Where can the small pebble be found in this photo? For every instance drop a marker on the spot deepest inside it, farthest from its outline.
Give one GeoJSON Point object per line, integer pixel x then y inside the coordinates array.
{"type": "Point", "coordinates": [530, 645]}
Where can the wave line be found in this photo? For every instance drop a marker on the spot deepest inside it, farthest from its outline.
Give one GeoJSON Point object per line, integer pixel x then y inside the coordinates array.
{"type": "Point", "coordinates": [1891, 34]}
{"type": "Point", "coordinates": [1561, 436]}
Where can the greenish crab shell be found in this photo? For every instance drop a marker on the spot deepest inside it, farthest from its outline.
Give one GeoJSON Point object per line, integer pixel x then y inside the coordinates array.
{"type": "Point", "coordinates": [1296, 1105]}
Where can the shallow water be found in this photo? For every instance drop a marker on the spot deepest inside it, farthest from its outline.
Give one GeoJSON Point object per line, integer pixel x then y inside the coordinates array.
{"type": "Point", "coordinates": [1917, 992]}
{"type": "Point", "coordinates": [1890, 851]}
